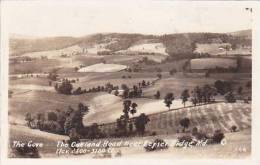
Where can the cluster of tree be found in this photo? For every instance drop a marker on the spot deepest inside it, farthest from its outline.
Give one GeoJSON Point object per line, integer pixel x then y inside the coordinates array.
{"type": "Point", "coordinates": [147, 61]}
{"type": "Point", "coordinates": [135, 92]}
{"type": "Point", "coordinates": [230, 97]}
{"type": "Point", "coordinates": [169, 97]}
{"type": "Point", "coordinates": [59, 122]}
{"type": "Point", "coordinates": [125, 125]}
{"type": "Point", "coordinates": [203, 94]}
{"type": "Point", "coordinates": [64, 88]}
{"type": "Point", "coordinates": [223, 87]}
{"type": "Point", "coordinates": [135, 68]}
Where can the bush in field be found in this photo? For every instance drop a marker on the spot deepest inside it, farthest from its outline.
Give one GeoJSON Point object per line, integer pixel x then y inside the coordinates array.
{"type": "Point", "coordinates": [218, 136]}
{"type": "Point", "coordinates": [233, 128]}
{"type": "Point", "coordinates": [185, 123]}
{"type": "Point", "coordinates": [168, 100]}
{"type": "Point", "coordinates": [64, 88]}
{"type": "Point", "coordinates": [230, 98]}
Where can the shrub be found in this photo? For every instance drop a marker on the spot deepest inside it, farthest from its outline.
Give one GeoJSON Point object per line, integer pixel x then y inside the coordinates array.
{"type": "Point", "coordinates": [185, 122]}
{"type": "Point", "coordinates": [185, 138]}
{"type": "Point", "coordinates": [64, 88]}
{"type": "Point", "coordinates": [230, 98]}
{"type": "Point", "coordinates": [218, 136]}
{"type": "Point", "coordinates": [233, 128]}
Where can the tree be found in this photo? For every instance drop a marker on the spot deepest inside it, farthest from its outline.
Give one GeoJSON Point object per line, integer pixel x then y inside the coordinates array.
{"type": "Point", "coordinates": [126, 90]}
{"type": "Point", "coordinates": [168, 99]}
{"type": "Point", "coordinates": [157, 95]}
{"type": "Point", "coordinates": [185, 122]}
{"type": "Point", "coordinates": [52, 116]}
{"type": "Point", "coordinates": [52, 76]}
{"type": "Point", "coordinates": [74, 118]}
{"type": "Point", "coordinates": [218, 136]}
{"type": "Point", "coordinates": [94, 131]}
{"type": "Point", "coordinates": [230, 98]}
{"type": "Point", "coordinates": [223, 86]}
{"type": "Point", "coordinates": [140, 123]}
{"type": "Point", "coordinates": [29, 119]}
{"type": "Point", "coordinates": [197, 95]}
{"type": "Point", "coordinates": [184, 96]}
{"type": "Point", "coordinates": [133, 108]}
{"type": "Point", "coordinates": [65, 87]}
{"type": "Point", "coordinates": [240, 89]}
{"type": "Point", "coordinates": [143, 83]}
{"type": "Point", "coordinates": [116, 92]}
{"type": "Point", "coordinates": [207, 93]}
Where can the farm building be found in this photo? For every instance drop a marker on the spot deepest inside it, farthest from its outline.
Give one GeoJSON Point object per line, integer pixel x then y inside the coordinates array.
{"type": "Point", "coordinates": [203, 64]}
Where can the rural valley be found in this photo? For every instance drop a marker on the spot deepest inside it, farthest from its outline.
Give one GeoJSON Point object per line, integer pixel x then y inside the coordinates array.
{"type": "Point", "coordinates": [159, 89]}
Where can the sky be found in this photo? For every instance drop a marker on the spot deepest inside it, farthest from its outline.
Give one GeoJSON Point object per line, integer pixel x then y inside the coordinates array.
{"type": "Point", "coordinates": [79, 19]}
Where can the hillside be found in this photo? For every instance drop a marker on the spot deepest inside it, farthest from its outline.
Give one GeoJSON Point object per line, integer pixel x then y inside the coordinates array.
{"type": "Point", "coordinates": [243, 33]}
{"type": "Point", "coordinates": [182, 44]}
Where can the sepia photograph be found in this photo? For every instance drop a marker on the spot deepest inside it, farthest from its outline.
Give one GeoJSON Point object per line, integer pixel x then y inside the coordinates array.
{"type": "Point", "coordinates": [120, 81]}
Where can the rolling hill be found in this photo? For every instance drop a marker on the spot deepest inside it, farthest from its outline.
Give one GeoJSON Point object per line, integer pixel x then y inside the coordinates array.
{"type": "Point", "coordinates": [172, 44]}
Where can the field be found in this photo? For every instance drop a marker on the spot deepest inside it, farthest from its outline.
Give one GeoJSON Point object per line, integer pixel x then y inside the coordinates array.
{"type": "Point", "coordinates": [216, 49]}
{"type": "Point", "coordinates": [101, 67]}
{"type": "Point", "coordinates": [212, 63]}
{"type": "Point", "coordinates": [31, 91]}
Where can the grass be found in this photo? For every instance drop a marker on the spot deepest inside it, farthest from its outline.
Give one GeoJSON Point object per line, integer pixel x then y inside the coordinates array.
{"type": "Point", "coordinates": [33, 67]}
